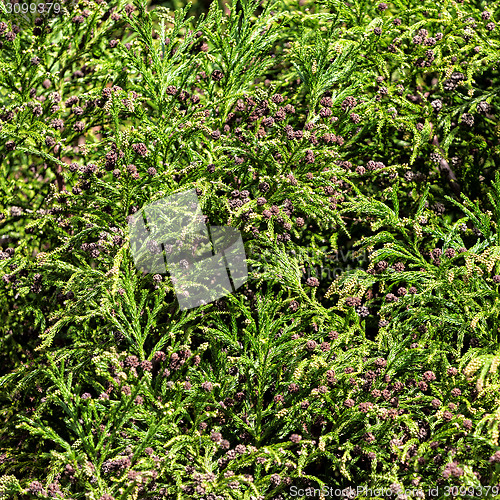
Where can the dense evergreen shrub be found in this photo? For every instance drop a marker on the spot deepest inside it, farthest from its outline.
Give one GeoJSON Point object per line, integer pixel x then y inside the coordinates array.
{"type": "Point", "coordinates": [355, 146]}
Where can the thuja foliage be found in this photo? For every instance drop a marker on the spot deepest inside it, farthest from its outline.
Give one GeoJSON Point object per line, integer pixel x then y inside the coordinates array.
{"type": "Point", "coordinates": [318, 129]}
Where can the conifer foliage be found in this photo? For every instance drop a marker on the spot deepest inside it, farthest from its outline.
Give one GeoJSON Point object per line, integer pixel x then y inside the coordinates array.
{"type": "Point", "coordinates": [355, 147]}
